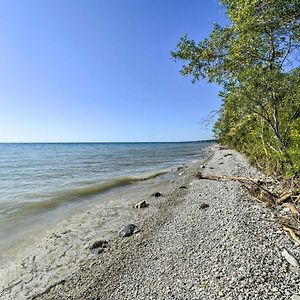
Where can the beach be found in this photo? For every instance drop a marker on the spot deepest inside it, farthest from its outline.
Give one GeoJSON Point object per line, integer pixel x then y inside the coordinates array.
{"type": "Point", "coordinates": [199, 239]}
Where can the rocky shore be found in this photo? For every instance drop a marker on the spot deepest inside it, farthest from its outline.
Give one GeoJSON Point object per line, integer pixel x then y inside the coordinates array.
{"type": "Point", "coordinates": [193, 239]}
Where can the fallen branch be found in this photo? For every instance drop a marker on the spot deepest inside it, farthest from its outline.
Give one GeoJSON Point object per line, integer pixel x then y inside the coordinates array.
{"type": "Point", "coordinates": [294, 236]}
{"type": "Point", "coordinates": [257, 182]}
{"type": "Point", "coordinates": [223, 177]}
{"type": "Point", "coordinates": [292, 229]}
{"type": "Point", "coordinates": [292, 208]}
{"type": "Point", "coordinates": [284, 198]}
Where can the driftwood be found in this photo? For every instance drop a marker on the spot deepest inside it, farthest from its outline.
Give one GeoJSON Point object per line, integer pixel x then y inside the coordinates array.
{"type": "Point", "coordinates": [289, 199]}
{"type": "Point", "coordinates": [223, 177]}
{"type": "Point", "coordinates": [292, 233]}
{"type": "Point", "coordinates": [257, 182]}
{"type": "Point", "coordinates": [292, 208]}
{"type": "Point", "coordinates": [284, 198]}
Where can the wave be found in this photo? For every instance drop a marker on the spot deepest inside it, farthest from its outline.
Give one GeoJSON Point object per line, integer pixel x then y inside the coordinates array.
{"type": "Point", "coordinates": [62, 197]}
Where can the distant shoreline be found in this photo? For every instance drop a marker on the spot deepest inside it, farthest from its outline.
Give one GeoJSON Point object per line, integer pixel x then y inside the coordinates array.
{"type": "Point", "coordinates": [171, 142]}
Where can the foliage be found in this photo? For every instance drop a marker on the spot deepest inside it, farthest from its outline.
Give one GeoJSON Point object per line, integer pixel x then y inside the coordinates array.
{"type": "Point", "coordinates": [255, 59]}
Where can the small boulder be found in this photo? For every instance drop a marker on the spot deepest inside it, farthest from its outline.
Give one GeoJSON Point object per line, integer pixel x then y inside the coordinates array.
{"type": "Point", "coordinates": [204, 205]}
{"type": "Point", "coordinates": [141, 204]}
{"type": "Point", "coordinates": [157, 194]}
{"type": "Point", "coordinates": [128, 230]}
{"type": "Point", "coordinates": [98, 247]}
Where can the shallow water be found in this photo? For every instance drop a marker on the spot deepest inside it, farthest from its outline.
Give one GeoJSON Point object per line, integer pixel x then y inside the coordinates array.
{"type": "Point", "coordinates": [41, 183]}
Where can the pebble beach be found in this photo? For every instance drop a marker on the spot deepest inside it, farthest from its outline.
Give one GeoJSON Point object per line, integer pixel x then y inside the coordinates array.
{"type": "Point", "coordinates": [196, 239]}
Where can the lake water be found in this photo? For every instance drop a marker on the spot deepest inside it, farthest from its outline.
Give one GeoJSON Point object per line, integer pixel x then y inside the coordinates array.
{"type": "Point", "coordinates": [40, 183]}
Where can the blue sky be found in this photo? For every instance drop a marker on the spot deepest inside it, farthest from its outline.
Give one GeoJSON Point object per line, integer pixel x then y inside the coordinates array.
{"type": "Point", "coordinates": [101, 70]}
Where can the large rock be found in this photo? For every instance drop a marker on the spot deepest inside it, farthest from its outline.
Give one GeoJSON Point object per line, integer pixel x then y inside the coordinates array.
{"type": "Point", "coordinates": [128, 230]}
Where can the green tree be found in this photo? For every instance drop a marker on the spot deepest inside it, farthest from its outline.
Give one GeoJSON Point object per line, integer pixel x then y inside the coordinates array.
{"type": "Point", "coordinates": [255, 59]}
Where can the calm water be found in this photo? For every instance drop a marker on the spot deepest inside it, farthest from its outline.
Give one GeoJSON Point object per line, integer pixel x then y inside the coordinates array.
{"type": "Point", "coordinates": [38, 180]}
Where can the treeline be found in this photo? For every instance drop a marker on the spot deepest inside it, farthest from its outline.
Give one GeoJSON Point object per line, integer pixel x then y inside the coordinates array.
{"type": "Point", "coordinates": [256, 61]}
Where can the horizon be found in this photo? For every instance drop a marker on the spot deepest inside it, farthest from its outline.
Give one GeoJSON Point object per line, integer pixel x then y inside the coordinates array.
{"type": "Point", "coordinates": [115, 142]}
{"type": "Point", "coordinates": [102, 71]}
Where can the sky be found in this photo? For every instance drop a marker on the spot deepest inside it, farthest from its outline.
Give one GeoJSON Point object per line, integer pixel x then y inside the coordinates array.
{"type": "Point", "coordinates": [99, 71]}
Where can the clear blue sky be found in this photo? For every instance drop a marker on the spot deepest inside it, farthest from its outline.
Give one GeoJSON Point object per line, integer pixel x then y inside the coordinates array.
{"type": "Point", "coordinates": [101, 70]}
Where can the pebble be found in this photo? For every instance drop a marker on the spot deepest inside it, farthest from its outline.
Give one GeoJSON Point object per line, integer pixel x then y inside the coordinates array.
{"type": "Point", "coordinates": [204, 205]}
{"type": "Point", "coordinates": [156, 194]}
{"type": "Point", "coordinates": [128, 230]}
{"type": "Point", "coordinates": [142, 204]}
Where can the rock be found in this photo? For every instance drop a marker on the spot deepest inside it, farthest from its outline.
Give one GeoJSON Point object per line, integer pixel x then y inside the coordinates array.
{"type": "Point", "coordinates": [157, 194]}
{"type": "Point", "coordinates": [221, 147]}
{"type": "Point", "coordinates": [291, 259]}
{"type": "Point", "coordinates": [228, 154]}
{"type": "Point", "coordinates": [204, 205]}
{"type": "Point", "coordinates": [183, 187]}
{"type": "Point", "coordinates": [202, 166]}
{"type": "Point", "coordinates": [182, 173]}
{"type": "Point", "coordinates": [98, 247]}
{"type": "Point", "coordinates": [141, 204]}
{"type": "Point", "coordinates": [128, 230]}
{"type": "Point", "coordinates": [179, 168]}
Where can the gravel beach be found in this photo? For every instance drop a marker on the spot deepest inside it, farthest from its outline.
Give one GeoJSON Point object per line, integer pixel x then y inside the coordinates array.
{"type": "Point", "coordinates": [201, 239]}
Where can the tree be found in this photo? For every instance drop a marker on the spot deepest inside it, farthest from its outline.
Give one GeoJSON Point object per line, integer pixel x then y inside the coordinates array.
{"type": "Point", "coordinates": [255, 59]}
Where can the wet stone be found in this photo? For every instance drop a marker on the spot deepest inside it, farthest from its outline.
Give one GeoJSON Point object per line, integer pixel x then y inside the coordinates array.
{"type": "Point", "coordinates": [204, 205]}
{"type": "Point", "coordinates": [98, 247]}
{"type": "Point", "coordinates": [142, 204]}
{"type": "Point", "coordinates": [156, 194]}
{"type": "Point", "coordinates": [128, 230]}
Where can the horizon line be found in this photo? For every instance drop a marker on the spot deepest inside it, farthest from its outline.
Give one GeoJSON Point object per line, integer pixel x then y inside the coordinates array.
{"type": "Point", "coordinates": [110, 142]}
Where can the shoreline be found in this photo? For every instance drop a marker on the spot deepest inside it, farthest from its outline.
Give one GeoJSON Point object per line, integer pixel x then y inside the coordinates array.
{"type": "Point", "coordinates": [232, 248]}
{"type": "Point", "coordinates": [52, 254]}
